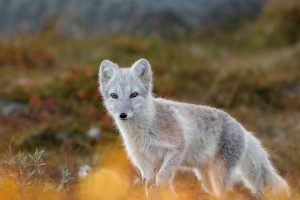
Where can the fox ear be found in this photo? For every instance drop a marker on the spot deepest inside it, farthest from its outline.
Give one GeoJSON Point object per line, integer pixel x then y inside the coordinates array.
{"type": "Point", "coordinates": [106, 70]}
{"type": "Point", "coordinates": [142, 69]}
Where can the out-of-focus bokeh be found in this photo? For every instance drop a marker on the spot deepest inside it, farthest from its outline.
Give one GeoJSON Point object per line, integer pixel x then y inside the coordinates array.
{"type": "Point", "coordinates": [56, 139]}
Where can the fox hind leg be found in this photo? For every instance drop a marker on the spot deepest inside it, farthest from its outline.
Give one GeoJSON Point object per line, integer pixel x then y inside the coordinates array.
{"type": "Point", "coordinates": [203, 176]}
{"type": "Point", "coordinates": [212, 176]}
{"type": "Point", "coordinates": [221, 175]}
{"type": "Point", "coordinates": [218, 173]}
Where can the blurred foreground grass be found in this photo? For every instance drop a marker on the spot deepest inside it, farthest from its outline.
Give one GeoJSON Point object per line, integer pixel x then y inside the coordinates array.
{"type": "Point", "coordinates": [49, 100]}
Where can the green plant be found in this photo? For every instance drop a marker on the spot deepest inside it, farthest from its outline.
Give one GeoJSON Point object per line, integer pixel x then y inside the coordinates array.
{"type": "Point", "coordinates": [65, 179]}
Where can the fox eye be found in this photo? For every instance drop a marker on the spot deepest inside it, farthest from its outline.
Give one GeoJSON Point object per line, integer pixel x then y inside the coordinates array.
{"type": "Point", "coordinates": [134, 94]}
{"type": "Point", "coordinates": [114, 95]}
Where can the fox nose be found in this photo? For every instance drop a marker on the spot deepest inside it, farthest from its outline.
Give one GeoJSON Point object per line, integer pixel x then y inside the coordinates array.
{"type": "Point", "coordinates": [123, 115]}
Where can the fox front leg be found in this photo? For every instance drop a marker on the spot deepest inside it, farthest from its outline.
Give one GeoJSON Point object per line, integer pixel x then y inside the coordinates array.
{"type": "Point", "coordinates": [167, 171]}
{"type": "Point", "coordinates": [147, 170]}
{"type": "Point", "coordinates": [147, 173]}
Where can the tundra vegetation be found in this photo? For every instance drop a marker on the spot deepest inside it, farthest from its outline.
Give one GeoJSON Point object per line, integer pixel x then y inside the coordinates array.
{"type": "Point", "coordinates": [53, 124]}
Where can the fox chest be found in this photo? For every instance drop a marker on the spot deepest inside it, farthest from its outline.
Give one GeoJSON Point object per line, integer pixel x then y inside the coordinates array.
{"type": "Point", "coordinates": [142, 142]}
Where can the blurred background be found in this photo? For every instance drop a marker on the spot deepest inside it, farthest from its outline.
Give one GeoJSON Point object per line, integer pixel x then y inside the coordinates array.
{"type": "Point", "coordinates": [242, 56]}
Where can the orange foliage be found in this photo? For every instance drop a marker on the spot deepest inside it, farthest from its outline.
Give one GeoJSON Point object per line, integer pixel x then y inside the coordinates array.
{"type": "Point", "coordinates": [114, 179]}
{"type": "Point", "coordinates": [105, 184]}
{"type": "Point", "coordinates": [9, 190]}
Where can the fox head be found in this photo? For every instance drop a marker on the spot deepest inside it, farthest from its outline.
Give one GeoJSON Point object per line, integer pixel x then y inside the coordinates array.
{"type": "Point", "coordinates": [125, 91]}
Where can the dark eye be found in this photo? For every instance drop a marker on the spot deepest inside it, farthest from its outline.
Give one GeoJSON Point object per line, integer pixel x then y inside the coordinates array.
{"type": "Point", "coordinates": [134, 94]}
{"type": "Point", "coordinates": [114, 95]}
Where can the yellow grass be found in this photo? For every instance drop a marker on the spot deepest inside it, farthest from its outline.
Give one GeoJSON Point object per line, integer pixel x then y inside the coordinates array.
{"type": "Point", "coordinates": [115, 179]}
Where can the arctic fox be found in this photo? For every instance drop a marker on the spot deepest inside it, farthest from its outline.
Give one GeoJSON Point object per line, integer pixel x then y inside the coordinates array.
{"type": "Point", "coordinates": [162, 136]}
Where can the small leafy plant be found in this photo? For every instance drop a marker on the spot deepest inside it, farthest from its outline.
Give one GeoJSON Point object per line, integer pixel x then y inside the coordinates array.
{"type": "Point", "coordinates": [65, 179]}
{"type": "Point", "coordinates": [37, 164]}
